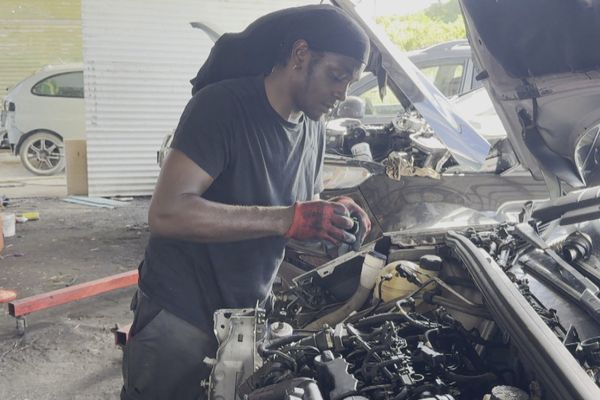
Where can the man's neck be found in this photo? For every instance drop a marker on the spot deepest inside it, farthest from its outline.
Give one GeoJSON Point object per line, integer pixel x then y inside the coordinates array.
{"type": "Point", "coordinates": [278, 93]}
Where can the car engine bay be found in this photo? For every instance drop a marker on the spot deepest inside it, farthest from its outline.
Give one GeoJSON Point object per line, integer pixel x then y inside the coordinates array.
{"type": "Point", "coordinates": [405, 146]}
{"type": "Point", "coordinates": [508, 311]}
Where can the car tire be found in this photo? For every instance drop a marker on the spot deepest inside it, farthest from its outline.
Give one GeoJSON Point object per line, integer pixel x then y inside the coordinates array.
{"type": "Point", "coordinates": [43, 153]}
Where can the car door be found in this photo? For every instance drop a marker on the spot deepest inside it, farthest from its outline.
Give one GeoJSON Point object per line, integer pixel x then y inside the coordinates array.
{"type": "Point", "coordinates": [55, 103]}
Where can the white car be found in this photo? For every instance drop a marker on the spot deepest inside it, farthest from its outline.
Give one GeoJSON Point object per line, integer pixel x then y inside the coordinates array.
{"type": "Point", "coordinates": [41, 112]}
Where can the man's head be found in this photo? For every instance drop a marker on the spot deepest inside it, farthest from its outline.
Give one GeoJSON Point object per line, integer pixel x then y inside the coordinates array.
{"type": "Point", "coordinates": [272, 40]}
{"type": "Point", "coordinates": [323, 51]}
{"type": "Point", "coordinates": [319, 79]}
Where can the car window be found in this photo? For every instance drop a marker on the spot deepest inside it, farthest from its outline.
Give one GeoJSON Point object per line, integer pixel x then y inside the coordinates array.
{"type": "Point", "coordinates": [374, 105]}
{"type": "Point", "coordinates": [446, 77]}
{"type": "Point", "coordinates": [63, 85]}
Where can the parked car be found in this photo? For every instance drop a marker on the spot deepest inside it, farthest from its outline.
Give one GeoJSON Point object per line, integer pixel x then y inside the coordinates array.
{"type": "Point", "coordinates": [447, 65]}
{"type": "Point", "coordinates": [41, 112]}
{"type": "Point", "coordinates": [458, 302]}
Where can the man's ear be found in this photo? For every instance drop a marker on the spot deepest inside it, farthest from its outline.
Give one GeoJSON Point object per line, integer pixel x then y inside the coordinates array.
{"type": "Point", "coordinates": [300, 54]}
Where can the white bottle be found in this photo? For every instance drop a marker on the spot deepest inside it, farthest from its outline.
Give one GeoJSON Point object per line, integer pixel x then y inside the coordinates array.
{"type": "Point", "coordinates": [362, 151]}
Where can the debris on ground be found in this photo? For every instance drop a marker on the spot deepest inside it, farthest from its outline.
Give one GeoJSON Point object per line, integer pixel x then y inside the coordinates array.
{"type": "Point", "coordinates": [30, 215]}
{"type": "Point", "coordinates": [122, 198]}
{"type": "Point", "coordinates": [7, 295]}
{"type": "Point", "coordinates": [95, 201]}
{"type": "Point", "coordinates": [68, 352]}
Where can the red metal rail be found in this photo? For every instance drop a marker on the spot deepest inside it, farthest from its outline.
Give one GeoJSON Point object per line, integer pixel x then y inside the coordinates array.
{"type": "Point", "coordinates": [21, 307]}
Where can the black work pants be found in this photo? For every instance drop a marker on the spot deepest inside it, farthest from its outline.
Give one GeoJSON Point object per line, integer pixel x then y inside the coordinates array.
{"type": "Point", "coordinates": [163, 358]}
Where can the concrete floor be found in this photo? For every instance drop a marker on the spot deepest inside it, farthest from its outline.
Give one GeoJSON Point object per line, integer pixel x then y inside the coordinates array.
{"type": "Point", "coordinates": [17, 182]}
{"type": "Point", "coordinates": [68, 352]}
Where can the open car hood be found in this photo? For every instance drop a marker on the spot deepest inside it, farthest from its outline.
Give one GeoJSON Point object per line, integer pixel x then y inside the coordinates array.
{"type": "Point", "coordinates": [393, 68]}
{"type": "Point", "coordinates": [542, 70]}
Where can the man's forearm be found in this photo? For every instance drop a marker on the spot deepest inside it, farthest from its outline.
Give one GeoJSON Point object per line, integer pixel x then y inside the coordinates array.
{"type": "Point", "coordinates": [194, 218]}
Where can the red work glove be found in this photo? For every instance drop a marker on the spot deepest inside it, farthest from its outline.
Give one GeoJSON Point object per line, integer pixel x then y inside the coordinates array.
{"type": "Point", "coordinates": [357, 212]}
{"type": "Point", "coordinates": [321, 220]}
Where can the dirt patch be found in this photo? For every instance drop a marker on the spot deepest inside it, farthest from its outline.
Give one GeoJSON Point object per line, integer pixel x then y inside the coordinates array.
{"type": "Point", "coordinates": [68, 352]}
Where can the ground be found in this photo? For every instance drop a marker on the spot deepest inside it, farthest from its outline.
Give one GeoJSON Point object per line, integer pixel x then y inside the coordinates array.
{"type": "Point", "coordinates": [67, 352]}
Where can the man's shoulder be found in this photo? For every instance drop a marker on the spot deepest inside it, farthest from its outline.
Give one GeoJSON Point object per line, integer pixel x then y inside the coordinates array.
{"type": "Point", "coordinates": [231, 90]}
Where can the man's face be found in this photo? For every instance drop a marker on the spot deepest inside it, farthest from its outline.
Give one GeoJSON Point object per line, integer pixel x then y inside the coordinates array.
{"type": "Point", "coordinates": [325, 82]}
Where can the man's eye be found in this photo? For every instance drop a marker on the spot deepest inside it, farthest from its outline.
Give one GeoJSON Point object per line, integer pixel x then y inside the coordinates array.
{"type": "Point", "coordinates": [337, 78]}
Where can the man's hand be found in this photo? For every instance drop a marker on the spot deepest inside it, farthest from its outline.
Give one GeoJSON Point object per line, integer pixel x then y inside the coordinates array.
{"type": "Point", "coordinates": [321, 220]}
{"type": "Point", "coordinates": [357, 212]}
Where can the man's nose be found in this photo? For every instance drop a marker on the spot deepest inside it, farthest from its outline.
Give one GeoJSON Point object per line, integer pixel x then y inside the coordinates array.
{"type": "Point", "coordinates": [340, 95]}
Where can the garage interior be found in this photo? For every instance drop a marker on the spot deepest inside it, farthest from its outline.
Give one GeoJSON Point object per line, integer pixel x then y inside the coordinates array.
{"type": "Point", "coordinates": [480, 276]}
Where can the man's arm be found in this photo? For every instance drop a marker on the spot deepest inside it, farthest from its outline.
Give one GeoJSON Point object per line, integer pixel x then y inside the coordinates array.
{"type": "Point", "coordinates": [177, 209]}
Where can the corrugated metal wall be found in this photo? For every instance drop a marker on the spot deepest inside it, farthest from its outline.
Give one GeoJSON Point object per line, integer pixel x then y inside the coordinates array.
{"type": "Point", "coordinates": [139, 56]}
{"type": "Point", "coordinates": [34, 33]}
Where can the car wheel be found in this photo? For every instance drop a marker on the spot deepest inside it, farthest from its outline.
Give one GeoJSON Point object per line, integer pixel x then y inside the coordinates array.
{"type": "Point", "coordinates": [43, 153]}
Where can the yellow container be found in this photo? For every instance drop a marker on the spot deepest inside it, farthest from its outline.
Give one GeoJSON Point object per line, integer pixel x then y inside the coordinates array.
{"type": "Point", "coordinates": [31, 216]}
{"type": "Point", "coordinates": [399, 287]}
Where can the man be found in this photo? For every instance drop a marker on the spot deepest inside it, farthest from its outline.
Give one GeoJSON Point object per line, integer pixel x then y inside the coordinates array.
{"type": "Point", "coordinates": [243, 176]}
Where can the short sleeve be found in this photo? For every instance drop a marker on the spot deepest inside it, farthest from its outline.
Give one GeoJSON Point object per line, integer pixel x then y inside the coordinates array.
{"type": "Point", "coordinates": [204, 130]}
{"type": "Point", "coordinates": [319, 186]}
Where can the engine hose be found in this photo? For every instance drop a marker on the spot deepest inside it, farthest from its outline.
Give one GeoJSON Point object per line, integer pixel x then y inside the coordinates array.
{"type": "Point", "coordinates": [487, 377]}
{"type": "Point", "coordinates": [402, 395]}
{"type": "Point", "coordinates": [356, 301]}
{"type": "Point", "coordinates": [478, 311]}
{"type": "Point", "coordinates": [458, 339]}
{"type": "Point", "coordinates": [286, 357]}
{"type": "Point", "coordinates": [283, 389]}
{"type": "Point", "coordinates": [473, 338]}
{"type": "Point", "coordinates": [267, 346]}
{"type": "Point", "coordinates": [380, 318]}
{"type": "Point", "coordinates": [417, 393]}
{"type": "Point", "coordinates": [372, 264]}
{"type": "Point", "coordinates": [414, 322]}
{"type": "Point", "coordinates": [371, 369]}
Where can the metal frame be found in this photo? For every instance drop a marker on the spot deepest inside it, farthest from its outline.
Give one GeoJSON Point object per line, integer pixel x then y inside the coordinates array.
{"type": "Point", "coordinates": [22, 307]}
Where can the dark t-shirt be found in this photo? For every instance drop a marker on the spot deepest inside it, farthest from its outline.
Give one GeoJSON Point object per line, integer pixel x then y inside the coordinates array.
{"type": "Point", "coordinates": [256, 158]}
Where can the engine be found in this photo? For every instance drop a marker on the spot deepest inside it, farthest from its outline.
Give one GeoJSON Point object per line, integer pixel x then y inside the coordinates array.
{"type": "Point", "coordinates": [503, 311]}
{"type": "Point", "coordinates": [407, 145]}
{"type": "Point", "coordinates": [368, 328]}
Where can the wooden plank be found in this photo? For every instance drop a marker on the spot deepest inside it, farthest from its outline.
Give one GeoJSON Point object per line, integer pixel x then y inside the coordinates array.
{"type": "Point", "coordinates": [76, 167]}
{"type": "Point", "coordinates": [42, 301]}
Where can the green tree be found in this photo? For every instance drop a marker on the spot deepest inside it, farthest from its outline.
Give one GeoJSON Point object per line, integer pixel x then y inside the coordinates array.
{"type": "Point", "coordinates": [436, 24]}
{"type": "Point", "coordinates": [447, 12]}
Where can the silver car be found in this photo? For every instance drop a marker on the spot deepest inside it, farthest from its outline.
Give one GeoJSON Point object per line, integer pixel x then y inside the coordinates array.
{"type": "Point", "coordinates": [41, 112]}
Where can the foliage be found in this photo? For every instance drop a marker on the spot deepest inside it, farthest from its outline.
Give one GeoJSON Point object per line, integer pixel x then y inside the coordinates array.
{"type": "Point", "coordinates": [436, 24]}
{"type": "Point", "coordinates": [447, 12]}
